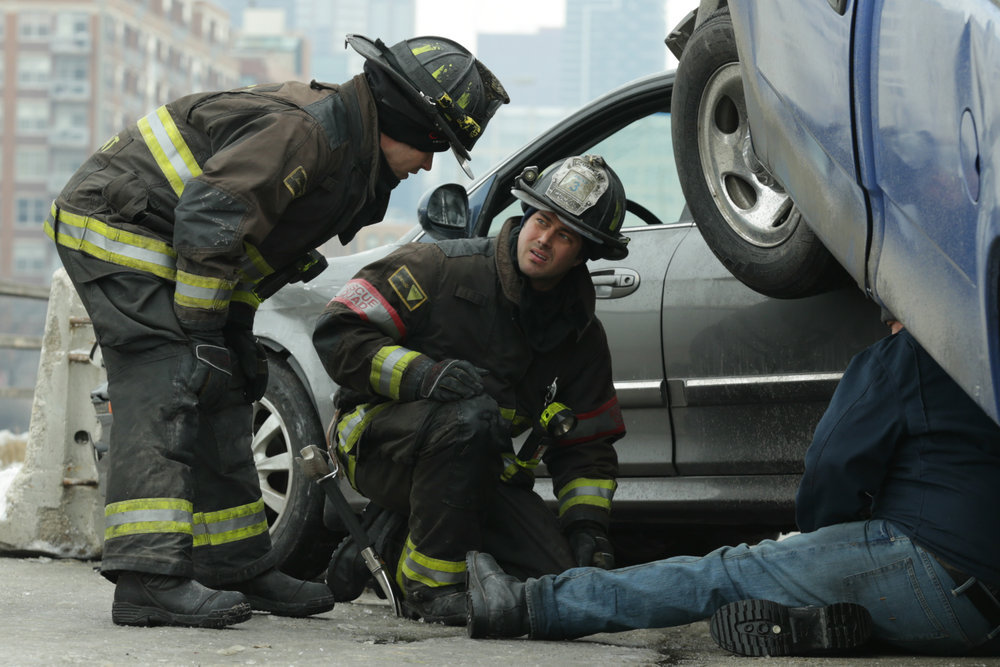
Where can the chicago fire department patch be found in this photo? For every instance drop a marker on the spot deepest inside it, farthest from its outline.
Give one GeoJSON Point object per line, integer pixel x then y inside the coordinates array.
{"type": "Point", "coordinates": [296, 181]}
{"type": "Point", "coordinates": [405, 285]}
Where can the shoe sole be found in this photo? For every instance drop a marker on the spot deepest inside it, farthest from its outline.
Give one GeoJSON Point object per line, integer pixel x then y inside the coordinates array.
{"type": "Point", "coordinates": [476, 620]}
{"type": "Point", "coordinates": [759, 628]}
{"type": "Point", "coordinates": [293, 609]}
{"type": "Point", "coordinates": [124, 613]}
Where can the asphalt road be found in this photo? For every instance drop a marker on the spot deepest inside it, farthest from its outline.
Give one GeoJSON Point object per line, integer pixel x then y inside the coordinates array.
{"type": "Point", "coordinates": [58, 612]}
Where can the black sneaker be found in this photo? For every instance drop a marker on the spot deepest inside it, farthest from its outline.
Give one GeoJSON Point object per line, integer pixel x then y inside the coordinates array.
{"type": "Point", "coordinates": [155, 599]}
{"type": "Point", "coordinates": [765, 628]}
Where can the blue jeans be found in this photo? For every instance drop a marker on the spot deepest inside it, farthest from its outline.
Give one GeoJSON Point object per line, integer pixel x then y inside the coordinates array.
{"type": "Point", "coordinates": [908, 593]}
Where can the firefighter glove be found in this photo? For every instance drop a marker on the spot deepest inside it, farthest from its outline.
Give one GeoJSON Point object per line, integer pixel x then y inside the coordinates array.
{"type": "Point", "coordinates": [590, 545]}
{"type": "Point", "coordinates": [252, 359]}
{"type": "Point", "coordinates": [452, 380]}
{"type": "Point", "coordinates": [213, 373]}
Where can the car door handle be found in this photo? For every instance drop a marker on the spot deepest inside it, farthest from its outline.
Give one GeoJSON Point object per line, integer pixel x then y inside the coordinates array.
{"type": "Point", "coordinates": [615, 283]}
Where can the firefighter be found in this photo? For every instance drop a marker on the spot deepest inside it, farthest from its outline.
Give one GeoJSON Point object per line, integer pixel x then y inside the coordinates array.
{"type": "Point", "coordinates": [172, 233]}
{"type": "Point", "coordinates": [444, 352]}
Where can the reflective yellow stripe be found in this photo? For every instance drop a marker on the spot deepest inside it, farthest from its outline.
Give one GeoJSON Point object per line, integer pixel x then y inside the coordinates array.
{"type": "Point", "coordinates": [387, 369]}
{"type": "Point", "coordinates": [596, 492]}
{"type": "Point", "coordinates": [117, 246]}
{"type": "Point", "coordinates": [429, 571]}
{"type": "Point", "coordinates": [254, 266]}
{"type": "Point", "coordinates": [203, 292]}
{"type": "Point", "coordinates": [229, 525]}
{"type": "Point", "coordinates": [349, 430]}
{"type": "Point", "coordinates": [147, 515]}
{"type": "Point", "coordinates": [169, 149]}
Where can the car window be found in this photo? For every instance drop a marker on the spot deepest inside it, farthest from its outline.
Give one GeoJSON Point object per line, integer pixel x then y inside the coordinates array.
{"type": "Point", "coordinates": [642, 155]}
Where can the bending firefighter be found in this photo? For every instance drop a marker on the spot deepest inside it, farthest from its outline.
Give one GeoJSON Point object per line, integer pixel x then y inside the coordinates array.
{"type": "Point", "coordinates": [172, 233]}
{"type": "Point", "coordinates": [445, 351]}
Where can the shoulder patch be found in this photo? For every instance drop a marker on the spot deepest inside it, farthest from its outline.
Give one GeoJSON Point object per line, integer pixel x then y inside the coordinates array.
{"type": "Point", "coordinates": [406, 286]}
{"type": "Point", "coordinates": [296, 181]}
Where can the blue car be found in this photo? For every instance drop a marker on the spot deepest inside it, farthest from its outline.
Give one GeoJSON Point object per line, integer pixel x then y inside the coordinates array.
{"type": "Point", "coordinates": [824, 141]}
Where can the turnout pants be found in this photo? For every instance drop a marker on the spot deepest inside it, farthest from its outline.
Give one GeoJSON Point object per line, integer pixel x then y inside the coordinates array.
{"type": "Point", "coordinates": [437, 464]}
{"type": "Point", "coordinates": [183, 496]}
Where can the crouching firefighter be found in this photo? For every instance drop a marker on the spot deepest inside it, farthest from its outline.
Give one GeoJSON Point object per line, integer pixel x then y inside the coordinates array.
{"type": "Point", "coordinates": [172, 233]}
{"type": "Point", "coordinates": [445, 352]}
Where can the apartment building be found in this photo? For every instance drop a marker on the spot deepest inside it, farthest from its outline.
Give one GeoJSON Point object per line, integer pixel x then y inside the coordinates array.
{"type": "Point", "coordinates": [73, 73]}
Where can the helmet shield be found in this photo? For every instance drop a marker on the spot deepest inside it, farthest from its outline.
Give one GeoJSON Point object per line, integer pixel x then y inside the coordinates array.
{"type": "Point", "coordinates": [454, 91]}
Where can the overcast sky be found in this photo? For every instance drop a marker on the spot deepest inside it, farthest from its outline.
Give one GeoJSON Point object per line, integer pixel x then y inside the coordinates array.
{"type": "Point", "coordinates": [461, 20]}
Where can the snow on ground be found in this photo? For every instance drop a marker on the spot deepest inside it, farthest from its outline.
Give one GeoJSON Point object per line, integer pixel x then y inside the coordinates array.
{"type": "Point", "coordinates": [9, 471]}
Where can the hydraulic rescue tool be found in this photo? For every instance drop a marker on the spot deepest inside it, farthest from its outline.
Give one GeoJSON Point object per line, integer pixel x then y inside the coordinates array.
{"type": "Point", "coordinates": [324, 471]}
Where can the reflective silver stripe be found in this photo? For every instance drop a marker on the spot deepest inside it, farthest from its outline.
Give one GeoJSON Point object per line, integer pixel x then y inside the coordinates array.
{"type": "Point", "coordinates": [117, 246]}
{"type": "Point", "coordinates": [361, 297]}
{"type": "Point", "coordinates": [203, 292]}
{"type": "Point", "coordinates": [388, 366]}
{"type": "Point", "coordinates": [596, 492]}
{"type": "Point", "coordinates": [229, 525]}
{"type": "Point", "coordinates": [429, 571]}
{"type": "Point", "coordinates": [169, 149]}
{"type": "Point", "coordinates": [137, 516]}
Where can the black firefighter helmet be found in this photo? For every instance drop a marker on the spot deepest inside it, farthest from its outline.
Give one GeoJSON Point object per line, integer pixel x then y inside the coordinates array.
{"type": "Point", "coordinates": [454, 92]}
{"type": "Point", "coordinates": [586, 195]}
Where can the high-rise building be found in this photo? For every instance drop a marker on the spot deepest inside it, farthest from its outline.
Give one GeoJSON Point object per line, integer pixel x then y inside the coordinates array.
{"type": "Point", "coordinates": [75, 72]}
{"type": "Point", "coordinates": [607, 43]}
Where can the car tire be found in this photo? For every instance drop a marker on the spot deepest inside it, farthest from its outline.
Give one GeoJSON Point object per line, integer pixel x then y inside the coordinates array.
{"type": "Point", "coordinates": [754, 228]}
{"type": "Point", "coordinates": [284, 422]}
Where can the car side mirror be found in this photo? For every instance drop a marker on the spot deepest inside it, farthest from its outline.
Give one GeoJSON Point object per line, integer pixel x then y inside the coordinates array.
{"type": "Point", "coordinates": [444, 212]}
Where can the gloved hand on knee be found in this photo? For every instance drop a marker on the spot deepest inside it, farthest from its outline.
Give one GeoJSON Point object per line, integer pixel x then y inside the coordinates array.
{"type": "Point", "coordinates": [590, 545]}
{"type": "Point", "coordinates": [452, 380]}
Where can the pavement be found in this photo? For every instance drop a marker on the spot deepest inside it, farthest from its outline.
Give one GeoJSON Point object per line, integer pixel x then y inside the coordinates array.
{"type": "Point", "coordinates": [58, 612]}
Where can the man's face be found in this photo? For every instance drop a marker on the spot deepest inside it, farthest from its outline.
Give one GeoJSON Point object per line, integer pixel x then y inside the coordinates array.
{"type": "Point", "coordinates": [404, 159]}
{"type": "Point", "coordinates": [547, 249]}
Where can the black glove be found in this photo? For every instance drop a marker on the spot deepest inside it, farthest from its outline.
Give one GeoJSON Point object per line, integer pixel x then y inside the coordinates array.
{"type": "Point", "coordinates": [252, 359]}
{"type": "Point", "coordinates": [213, 368]}
{"type": "Point", "coordinates": [590, 545]}
{"type": "Point", "coordinates": [452, 380]}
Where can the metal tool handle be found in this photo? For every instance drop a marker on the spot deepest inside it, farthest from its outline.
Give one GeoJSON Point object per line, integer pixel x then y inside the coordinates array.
{"type": "Point", "coordinates": [314, 464]}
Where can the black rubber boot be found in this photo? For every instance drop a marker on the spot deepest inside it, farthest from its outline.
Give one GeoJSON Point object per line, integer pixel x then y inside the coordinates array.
{"type": "Point", "coordinates": [765, 628]}
{"type": "Point", "coordinates": [436, 605]}
{"type": "Point", "coordinates": [496, 604]}
{"type": "Point", "coordinates": [283, 595]}
{"type": "Point", "coordinates": [155, 599]}
{"type": "Point", "coordinates": [347, 575]}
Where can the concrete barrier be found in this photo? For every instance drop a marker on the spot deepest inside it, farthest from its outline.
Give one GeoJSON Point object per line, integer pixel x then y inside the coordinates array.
{"type": "Point", "coordinates": [54, 505]}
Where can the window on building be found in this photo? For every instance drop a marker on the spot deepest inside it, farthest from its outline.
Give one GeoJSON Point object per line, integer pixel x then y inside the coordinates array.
{"type": "Point", "coordinates": [31, 257]}
{"type": "Point", "coordinates": [34, 69]}
{"type": "Point", "coordinates": [34, 26]}
{"type": "Point", "coordinates": [65, 163]}
{"type": "Point", "coordinates": [30, 211]}
{"type": "Point", "coordinates": [31, 163]}
{"type": "Point", "coordinates": [32, 116]}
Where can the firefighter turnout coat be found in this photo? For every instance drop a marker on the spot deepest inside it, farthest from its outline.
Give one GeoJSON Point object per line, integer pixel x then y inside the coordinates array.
{"type": "Point", "coordinates": [165, 231]}
{"type": "Point", "coordinates": [460, 299]}
{"type": "Point", "coordinates": [215, 191]}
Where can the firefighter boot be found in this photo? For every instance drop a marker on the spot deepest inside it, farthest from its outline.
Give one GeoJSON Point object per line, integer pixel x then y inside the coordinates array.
{"type": "Point", "coordinates": [444, 604]}
{"type": "Point", "coordinates": [283, 595]}
{"type": "Point", "coordinates": [497, 606]}
{"type": "Point", "coordinates": [347, 574]}
{"type": "Point", "coordinates": [155, 599]}
{"type": "Point", "coordinates": [765, 628]}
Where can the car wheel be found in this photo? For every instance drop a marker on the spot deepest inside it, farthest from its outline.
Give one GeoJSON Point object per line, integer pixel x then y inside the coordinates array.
{"type": "Point", "coordinates": [753, 227]}
{"type": "Point", "coordinates": [284, 422]}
